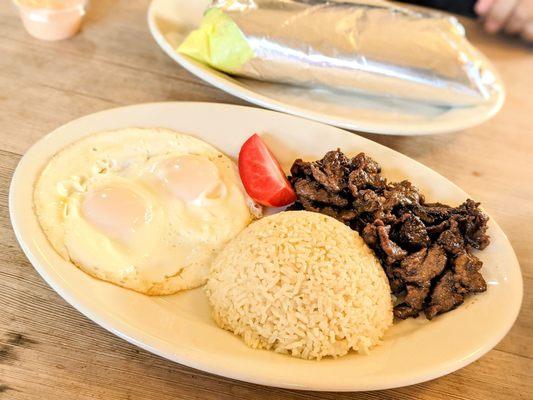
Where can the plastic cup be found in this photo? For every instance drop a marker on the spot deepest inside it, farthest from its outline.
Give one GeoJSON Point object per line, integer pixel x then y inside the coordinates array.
{"type": "Point", "coordinates": [52, 19]}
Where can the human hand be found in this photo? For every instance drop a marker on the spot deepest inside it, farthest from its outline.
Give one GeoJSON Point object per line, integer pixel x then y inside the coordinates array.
{"type": "Point", "coordinates": [514, 17]}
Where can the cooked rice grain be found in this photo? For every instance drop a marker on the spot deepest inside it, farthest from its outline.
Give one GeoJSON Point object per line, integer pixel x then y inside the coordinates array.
{"type": "Point", "coordinates": [303, 284]}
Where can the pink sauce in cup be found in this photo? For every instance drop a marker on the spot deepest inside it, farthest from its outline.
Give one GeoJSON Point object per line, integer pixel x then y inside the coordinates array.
{"type": "Point", "coordinates": [52, 19]}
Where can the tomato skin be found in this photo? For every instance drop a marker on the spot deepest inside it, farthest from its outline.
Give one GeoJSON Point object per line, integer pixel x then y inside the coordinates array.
{"type": "Point", "coordinates": [262, 176]}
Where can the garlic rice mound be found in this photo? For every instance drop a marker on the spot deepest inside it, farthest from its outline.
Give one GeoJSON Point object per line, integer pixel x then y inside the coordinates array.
{"type": "Point", "coordinates": [303, 284]}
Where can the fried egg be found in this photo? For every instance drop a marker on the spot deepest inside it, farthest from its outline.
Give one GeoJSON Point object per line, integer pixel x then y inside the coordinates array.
{"type": "Point", "coordinates": [145, 209]}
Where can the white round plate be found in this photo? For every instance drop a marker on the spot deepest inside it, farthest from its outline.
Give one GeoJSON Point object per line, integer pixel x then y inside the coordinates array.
{"type": "Point", "coordinates": [179, 327]}
{"type": "Point", "coordinates": [171, 20]}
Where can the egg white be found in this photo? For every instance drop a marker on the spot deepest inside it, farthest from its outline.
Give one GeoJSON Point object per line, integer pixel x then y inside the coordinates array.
{"type": "Point", "coordinates": [173, 250]}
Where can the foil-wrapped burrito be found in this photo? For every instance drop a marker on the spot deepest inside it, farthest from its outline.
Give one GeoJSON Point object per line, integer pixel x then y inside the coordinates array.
{"type": "Point", "coordinates": [373, 47]}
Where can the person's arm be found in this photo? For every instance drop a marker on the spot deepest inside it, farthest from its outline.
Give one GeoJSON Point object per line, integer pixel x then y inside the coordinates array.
{"type": "Point", "coordinates": [463, 7]}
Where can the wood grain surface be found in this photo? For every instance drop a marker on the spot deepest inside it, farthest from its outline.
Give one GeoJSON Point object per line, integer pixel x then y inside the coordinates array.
{"type": "Point", "coordinates": [48, 350]}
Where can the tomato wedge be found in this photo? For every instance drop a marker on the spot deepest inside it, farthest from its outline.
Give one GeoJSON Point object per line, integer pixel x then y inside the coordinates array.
{"type": "Point", "coordinates": [262, 175]}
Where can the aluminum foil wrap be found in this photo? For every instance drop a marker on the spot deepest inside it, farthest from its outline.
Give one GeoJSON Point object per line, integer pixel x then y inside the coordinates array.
{"type": "Point", "coordinates": [374, 47]}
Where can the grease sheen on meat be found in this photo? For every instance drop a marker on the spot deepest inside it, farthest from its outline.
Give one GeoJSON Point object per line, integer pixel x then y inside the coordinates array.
{"type": "Point", "coordinates": [424, 248]}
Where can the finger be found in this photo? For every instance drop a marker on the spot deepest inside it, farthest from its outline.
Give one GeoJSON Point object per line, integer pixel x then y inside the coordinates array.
{"type": "Point", "coordinates": [498, 15]}
{"type": "Point", "coordinates": [518, 19]}
{"type": "Point", "coordinates": [527, 32]}
{"type": "Point", "coordinates": [483, 6]}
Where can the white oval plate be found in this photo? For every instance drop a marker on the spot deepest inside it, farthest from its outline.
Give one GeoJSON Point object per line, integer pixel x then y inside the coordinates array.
{"type": "Point", "coordinates": [171, 20]}
{"type": "Point", "coordinates": [179, 327]}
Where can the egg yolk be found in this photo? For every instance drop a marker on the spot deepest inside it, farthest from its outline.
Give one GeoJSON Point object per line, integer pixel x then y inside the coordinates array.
{"type": "Point", "coordinates": [189, 176]}
{"type": "Point", "coordinates": [117, 211]}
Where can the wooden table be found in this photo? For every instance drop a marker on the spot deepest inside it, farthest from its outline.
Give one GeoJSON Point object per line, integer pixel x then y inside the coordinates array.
{"type": "Point", "coordinates": [48, 350]}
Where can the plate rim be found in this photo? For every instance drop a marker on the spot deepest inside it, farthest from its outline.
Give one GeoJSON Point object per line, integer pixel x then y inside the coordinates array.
{"type": "Point", "coordinates": [132, 334]}
{"type": "Point", "coordinates": [259, 99]}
